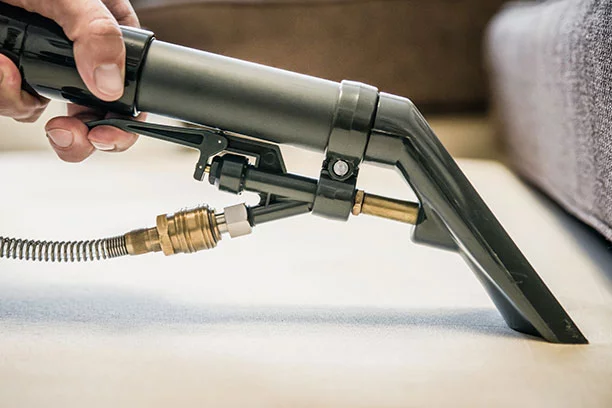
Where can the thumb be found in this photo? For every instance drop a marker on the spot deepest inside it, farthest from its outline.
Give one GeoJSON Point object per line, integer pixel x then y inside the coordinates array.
{"type": "Point", "coordinates": [100, 57]}
{"type": "Point", "coordinates": [99, 50]}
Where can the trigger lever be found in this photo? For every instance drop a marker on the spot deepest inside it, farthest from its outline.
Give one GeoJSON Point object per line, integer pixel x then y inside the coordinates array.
{"type": "Point", "coordinates": [208, 141]}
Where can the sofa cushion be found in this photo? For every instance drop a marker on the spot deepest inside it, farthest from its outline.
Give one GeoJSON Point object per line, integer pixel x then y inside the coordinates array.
{"type": "Point", "coordinates": [551, 72]}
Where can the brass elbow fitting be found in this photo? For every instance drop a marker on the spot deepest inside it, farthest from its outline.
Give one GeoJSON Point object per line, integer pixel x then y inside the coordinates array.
{"type": "Point", "coordinates": [397, 210]}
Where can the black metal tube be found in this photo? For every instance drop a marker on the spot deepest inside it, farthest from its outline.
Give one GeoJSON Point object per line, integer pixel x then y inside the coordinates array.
{"type": "Point", "coordinates": [294, 187]}
{"type": "Point", "coordinates": [260, 214]}
{"type": "Point", "coordinates": [243, 97]}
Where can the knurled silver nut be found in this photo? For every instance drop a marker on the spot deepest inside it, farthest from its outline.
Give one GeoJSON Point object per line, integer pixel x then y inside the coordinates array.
{"type": "Point", "coordinates": [237, 220]}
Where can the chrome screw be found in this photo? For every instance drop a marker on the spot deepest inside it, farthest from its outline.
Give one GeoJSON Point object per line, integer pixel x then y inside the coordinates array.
{"type": "Point", "coordinates": [341, 168]}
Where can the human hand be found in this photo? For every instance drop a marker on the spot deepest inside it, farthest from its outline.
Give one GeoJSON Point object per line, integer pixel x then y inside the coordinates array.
{"type": "Point", "coordinates": [99, 51]}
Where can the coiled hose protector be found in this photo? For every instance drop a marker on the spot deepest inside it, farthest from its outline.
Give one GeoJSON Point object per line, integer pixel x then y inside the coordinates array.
{"type": "Point", "coordinates": [63, 251]}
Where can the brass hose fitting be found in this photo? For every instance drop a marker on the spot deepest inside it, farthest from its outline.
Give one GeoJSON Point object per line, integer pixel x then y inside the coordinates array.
{"type": "Point", "coordinates": [183, 232]}
{"type": "Point", "coordinates": [189, 231]}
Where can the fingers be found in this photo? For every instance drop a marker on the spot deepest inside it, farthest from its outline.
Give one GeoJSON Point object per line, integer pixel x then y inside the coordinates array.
{"type": "Point", "coordinates": [14, 102]}
{"type": "Point", "coordinates": [104, 138]}
{"type": "Point", "coordinates": [68, 137]}
{"type": "Point", "coordinates": [123, 12]}
{"type": "Point", "coordinates": [93, 26]}
{"type": "Point", "coordinates": [111, 139]}
{"type": "Point", "coordinates": [99, 49]}
{"type": "Point", "coordinates": [73, 142]}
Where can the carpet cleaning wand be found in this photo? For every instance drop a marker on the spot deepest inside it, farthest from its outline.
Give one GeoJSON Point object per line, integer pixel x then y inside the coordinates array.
{"type": "Point", "coordinates": [246, 110]}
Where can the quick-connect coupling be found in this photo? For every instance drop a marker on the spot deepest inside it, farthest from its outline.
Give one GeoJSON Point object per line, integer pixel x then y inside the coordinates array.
{"type": "Point", "coordinates": [189, 231]}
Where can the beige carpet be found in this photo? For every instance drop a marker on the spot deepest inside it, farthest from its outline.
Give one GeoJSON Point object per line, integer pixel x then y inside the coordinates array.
{"type": "Point", "coordinates": [304, 313]}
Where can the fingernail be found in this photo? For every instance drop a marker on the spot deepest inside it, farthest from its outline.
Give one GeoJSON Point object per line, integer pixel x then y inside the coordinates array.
{"type": "Point", "coordinates": [108, 79]}
{"type": "Point", "coordinates": [103, 146]}
{"type": "Point", "coordinates": [61, 137]}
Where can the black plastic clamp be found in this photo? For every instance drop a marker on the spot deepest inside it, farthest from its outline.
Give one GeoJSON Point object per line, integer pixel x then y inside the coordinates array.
{"type": "Point", "coordinates": [346, 148]}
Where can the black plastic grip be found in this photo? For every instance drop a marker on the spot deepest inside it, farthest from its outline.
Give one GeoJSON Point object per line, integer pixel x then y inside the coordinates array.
{"type": "Point", "coordinates": [178, 82]}
{"type": "Point", "coordinates": [45, 58]}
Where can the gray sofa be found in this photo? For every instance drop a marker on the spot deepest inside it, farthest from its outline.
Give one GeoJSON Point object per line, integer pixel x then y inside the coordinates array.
{"type": "Point", "coordinates": [551, 70]}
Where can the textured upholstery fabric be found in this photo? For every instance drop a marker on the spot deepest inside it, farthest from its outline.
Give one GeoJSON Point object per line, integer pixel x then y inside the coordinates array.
{"type": "Point", "coordinates": [551, 65]}
{"type": "Point", "coordinates": [428, 50]}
